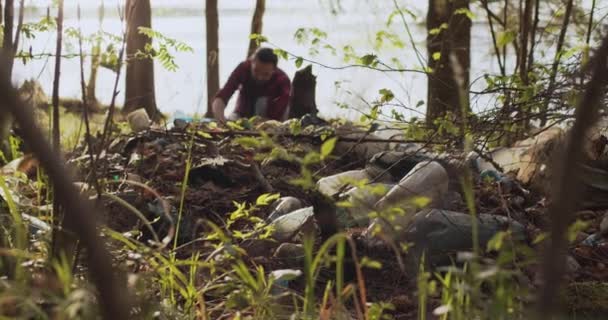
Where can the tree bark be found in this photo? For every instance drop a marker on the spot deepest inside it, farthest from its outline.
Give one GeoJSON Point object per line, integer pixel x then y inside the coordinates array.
{"type": "Point", "coordinates": [55, 98]}
{"type": "Point", "coordinates": [524, 39]}
{"type": "Point", "coordinates": [213, 54]}
{"type": "Point", "coordinates": [302, 97]}
{"type": "Point", "coordinates": [92, 83]}
{"type": "Point", "coordinates": [256, 25]}
{"type": "Point", "coordinates": [444, 89]}
{"type": "Point", "coordinates": [18, 31]}
{"type": "Point", "coordinates": [139, 91]}
{"type": "Point", "coordinates": [7, 41]}
{"type": "Point", "coordinates": [95, 60]}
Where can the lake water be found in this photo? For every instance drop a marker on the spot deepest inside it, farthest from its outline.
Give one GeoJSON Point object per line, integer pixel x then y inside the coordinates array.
{"type": "Point", "coordinates": [183, 20]}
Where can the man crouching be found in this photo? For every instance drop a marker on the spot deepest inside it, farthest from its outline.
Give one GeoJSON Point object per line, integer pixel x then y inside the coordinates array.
{"type": "Point", "coordinates": [263, 89]}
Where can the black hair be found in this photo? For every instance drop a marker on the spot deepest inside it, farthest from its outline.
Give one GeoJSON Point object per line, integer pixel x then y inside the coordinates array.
{"type": "Point", "coordinates": [266, 55]}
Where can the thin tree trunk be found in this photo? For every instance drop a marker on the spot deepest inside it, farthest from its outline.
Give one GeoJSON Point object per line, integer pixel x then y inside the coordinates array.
{"type": "Point", "coordinates": [533, 35]}
{"type": "Point", "coordinates": [256, 25]}
{"type": "Point", "coordinates": [524, 40]}
{"type": "Point", "coordinates": [18, 31]}
{"type": "Point", "coordinates": [444, 92]}
{"type": "Point", "coordinates": [7, 42]}
{"type": "Point", "coordinates": [213, 54]}
{"type": "Point", "coordinates": [503, 71]}
{"type": "Point", "coordinates": [556, 61]}
{"type": "Point", "coordinates": [92, 84]}
{"type": "Point", "coordinates": [139, 91]}
{"type": "Point", "coordinates": [95, 58]}
{"type": "Point", "coordinates": [55, 98]}
{"type": "Point", "coordinates": [525, 17]}
{"type": "Point", "coordinates": [588, 39]}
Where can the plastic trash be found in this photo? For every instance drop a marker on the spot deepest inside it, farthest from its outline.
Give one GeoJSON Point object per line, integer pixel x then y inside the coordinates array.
{"type": "Point", "coordinates": [289, 251]}
{"type": "Point", "coordinates": [509, 159]}
{"type": "Point", "coordinates": [282, 278]}
{"type": "Point", "coordinates": [180, 115]}
{"type": "Point", "coordinates": [362, 202]}
{"type": "Point", "coordinates": [139, 120]}
{"type": "Point", "coordinates": [287, 226]}
{"type": "Point", "coordinates": [396, 163]}
{"type": "Point", "coordinates": [358, 147]}
{"type": "Point", "coordinates": [440, 231]}
{"type": "Point", "coordinates": [427, 179]}
{"type": "Point", "coordinates": [332, 185]}
{"type": "Point", "coordinates": [593, 240]}
{"type": "Point", "coordinates": [284, 206]}
{"type": "Point", "coordinates": [491, 175]}
{"type": "Point", "coordinates": [572, 266]}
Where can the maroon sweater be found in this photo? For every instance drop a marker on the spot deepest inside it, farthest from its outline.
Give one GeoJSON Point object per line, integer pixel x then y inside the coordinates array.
{"type": "Point", "coordinates": [276, 90]}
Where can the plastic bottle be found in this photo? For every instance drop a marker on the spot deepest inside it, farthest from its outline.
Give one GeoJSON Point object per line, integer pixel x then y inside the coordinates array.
{"type": "Point", "coordinates": [284, 206]}
{"type": "Point", "coordinates": [332, 185]}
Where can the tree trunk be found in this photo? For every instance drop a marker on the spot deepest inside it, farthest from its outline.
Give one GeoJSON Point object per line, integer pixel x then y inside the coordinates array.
{"type": "Point", "coordinates": [56, 142]}
{"type": "Point", "coordinates": [7, 41]}
{"type": "Point", "coordinates": [448, 82]}
{"type": "Point", "coordinates": [213, 54]}
{"type": "Point", "coordinates": [95, 60]}
{"type": "Point", "coordinates": [524, 39]}
{"type": "Point", "coordinates": [256, 25]}
{"type": "Point", "coordinates": [139, 91]}
{"type": "Point", "coordinates": [302, 97]}
{"type": "Point", "coordinates": [18, 31]}
{"type": "Point", "coordinates": [92, 83]}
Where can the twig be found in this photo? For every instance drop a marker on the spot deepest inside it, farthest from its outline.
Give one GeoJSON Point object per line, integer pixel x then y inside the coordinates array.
{"type": "Point", "coordinates": [86, 109]}
{"type": "Point", "coordinates": [557, 59]}
{"type": "Point", "coordinates": [107, 125]}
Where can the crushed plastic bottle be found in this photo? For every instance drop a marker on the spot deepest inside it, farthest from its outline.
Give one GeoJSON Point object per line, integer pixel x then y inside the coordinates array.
{"type": "Point", "coordinates": [332, 185]}
{"type": "Point", "coordinates": [284, 206]}
{"type": "Point", "coordinates": [427, 179]}
{"type": "Point", "coordinates": [287, 226]}
{"type": "Point", "coordinates": [363, 201]}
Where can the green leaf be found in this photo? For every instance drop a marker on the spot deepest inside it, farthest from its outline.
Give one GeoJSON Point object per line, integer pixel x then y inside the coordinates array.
{"type": "Point", "coordinates": [372, 264]}
{"type": "Point", "coordinates": [438, 30]}
{"type": "Point", "coordinates": [248, 142]}
{"type": "Point", "coordinates": [505, 38]}
{"type": "Point", "coordinates": [368, 59]}
{"type": "Point", "coordinates": [281, 53]}
{"type": "Point", "coordinates": [258, 38]}
{"type": "Point", "coordinates": [266, 199]}
{"type": "Point", "coordinates": [436, 56]}
{"type": "Point", "coordinates": [299, 61]}
{"type": "Point", "coordinates": [495, 244]}
{"type": "Point", "coordinates": [421, 202]}
{"type": "Point", "coordinates": [328, 146]}
{"type": "Point", "coordinates": [575, 228]}
{"type": "Point", "coordinates": [466, 12]}
{"type": "Point", "coordinates": [204, 134]}
{"type": "Point", "coordinates": [386, 95]}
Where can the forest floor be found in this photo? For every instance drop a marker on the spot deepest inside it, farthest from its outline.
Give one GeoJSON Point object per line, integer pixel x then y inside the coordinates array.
{"type": "Point", "coordinates": [187, 179]}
